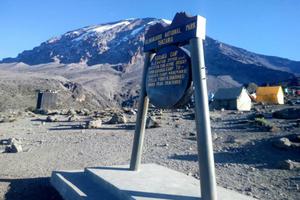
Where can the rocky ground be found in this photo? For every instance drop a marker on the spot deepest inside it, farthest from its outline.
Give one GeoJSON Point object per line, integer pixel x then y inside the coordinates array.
{"type": "Point", "coordinates": [255, 153]}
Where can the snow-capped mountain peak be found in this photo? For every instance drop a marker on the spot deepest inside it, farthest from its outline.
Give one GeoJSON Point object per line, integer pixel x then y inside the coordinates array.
{"type": "Point", "coordinates": [120, 44]}
{"type": "Point", "coordinates": [94, 44]}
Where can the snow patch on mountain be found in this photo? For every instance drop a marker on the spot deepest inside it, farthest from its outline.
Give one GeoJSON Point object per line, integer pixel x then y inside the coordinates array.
{"type": "Point", "coordinates": [154, 22]}
{"type": "Point", "coordinates": [84, 35]}
{"type": "Point", "coordinates": [167, 21]}
{"type": "Point", "coordinates": [53, 40]}
{"type": "Point", "coordinates": [101, 29]}
{"type": "Point", "coordinates": [136, 31]}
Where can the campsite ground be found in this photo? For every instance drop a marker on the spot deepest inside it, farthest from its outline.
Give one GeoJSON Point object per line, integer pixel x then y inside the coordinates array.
{"type": "Point", "coordinates": [245, 159]}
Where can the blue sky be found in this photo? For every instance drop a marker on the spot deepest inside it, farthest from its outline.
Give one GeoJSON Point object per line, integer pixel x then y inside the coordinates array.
{"type": "Point", "coordinates": [270, 27]}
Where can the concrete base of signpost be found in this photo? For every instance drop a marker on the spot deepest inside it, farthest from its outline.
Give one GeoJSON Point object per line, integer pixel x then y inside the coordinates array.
{"type": "Point", "coordinates": [119, 183]}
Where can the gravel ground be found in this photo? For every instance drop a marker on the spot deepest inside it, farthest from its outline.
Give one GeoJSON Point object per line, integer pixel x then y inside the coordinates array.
{"type": "Point", "coordinates": [245, 159]}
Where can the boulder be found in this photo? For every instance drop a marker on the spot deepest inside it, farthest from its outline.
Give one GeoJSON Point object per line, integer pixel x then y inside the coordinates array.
{"type": "Point", "coordinates": [71, 112]}
{"type": "Point", "coordinates": [73, 118]}
{"type": "Point", "coordinates": [288, 113]}
{"type": "Point", "coordinates": [159, 112]}
{"type": "Point", "coordinates": [51, 119]}
{"type": "Point", "coordinates": [96, 123]}
{"type": "Point", "coordinates": [129, 111]}
{"type": "Point", "coordinates": [289, 164]}
{"type": "Point", "coordinates": [84, 111]}
{"type": "Point", "coordinates": [151, 122]}
{"type": "Point", "coordinates": [118, 118]}
{"type": "Point", "coordinates": [14, 146]}
{"type": "Point", "coordinates": [282, 143]}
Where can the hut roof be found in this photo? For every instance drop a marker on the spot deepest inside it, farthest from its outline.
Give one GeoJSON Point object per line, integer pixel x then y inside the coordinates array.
{"type": "Point", "coordinates": [268, 90]}
{"type": "Point", "coordinates": [228, 93]}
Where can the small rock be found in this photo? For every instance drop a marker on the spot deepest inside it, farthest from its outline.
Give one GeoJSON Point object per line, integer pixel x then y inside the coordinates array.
{"type": "Point", "coordinates": [86, 112]}
{"type": "Point", "coordinates": [282, 143]}
{"type": "Point", "coordinates": [252, 169]}
{"type": "Point", "coordinates": [289, 164]}
{"type": "Point", "coordinates": [129, 111]}
{"type": "Point", "coordinates": [118, 118]}
{"type": "Point", "coordinates": [71, 112]}
{"type": "Point", "coordinates": [51, 119]}
{"type": "Point", "coordinates": [63, 112]}
{"type": "Point", "coordinates": [152, 123]}
{"type": "Point", "coordinates": [190, 174]}
{"type": "Point", "coordinates": [249, 194]}
{"type": "Point", "coordinates": [192, 134]}
{"type": "Point", "coordinates": [226, 165]}
{"type": "Point", "coordinates": [15, 146]}
{"type": "Point", "coordinates": [73, 118]}
{"type": "Point", "coordinates": [165, 145]}
{"type": "Point", "coordinates": [94, 124]}
{"type": "Point", "coordinates": [159, 112]}
{"type": "Point", "coordinates": [233, 140]}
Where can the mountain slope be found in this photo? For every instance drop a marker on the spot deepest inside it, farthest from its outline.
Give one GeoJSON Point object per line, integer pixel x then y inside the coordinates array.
{"type": "Point", "coordinates": [108, 43]}
{"type": "Point", "coordinates": [121, 42]}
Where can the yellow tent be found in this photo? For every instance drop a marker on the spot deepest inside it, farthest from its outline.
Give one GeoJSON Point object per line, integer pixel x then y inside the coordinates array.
{"type": "Point", "coordinates": [272, 94]}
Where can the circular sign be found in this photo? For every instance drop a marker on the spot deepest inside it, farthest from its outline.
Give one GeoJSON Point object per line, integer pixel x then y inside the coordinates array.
{"type": "Point", "coordinates": [169, 82]}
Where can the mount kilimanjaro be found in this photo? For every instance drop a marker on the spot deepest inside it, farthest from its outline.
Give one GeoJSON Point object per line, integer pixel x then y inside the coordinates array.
{"type": "Point", "coordinates": [120, 42]}
{"type": "Point", "coordinates": [105, 61]}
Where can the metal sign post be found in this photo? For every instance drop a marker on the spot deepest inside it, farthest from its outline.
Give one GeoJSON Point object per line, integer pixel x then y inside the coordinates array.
{"type": "Point", "coordinates": [204, 139]}
{"type": "Point", "coordinates": [168, 71]}
{"type": "Point", "coordinates": [139, 133]}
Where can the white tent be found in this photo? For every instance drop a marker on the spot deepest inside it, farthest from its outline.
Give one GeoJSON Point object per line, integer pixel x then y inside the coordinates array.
{"type": "Point", "coordinates": [232, 99]}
